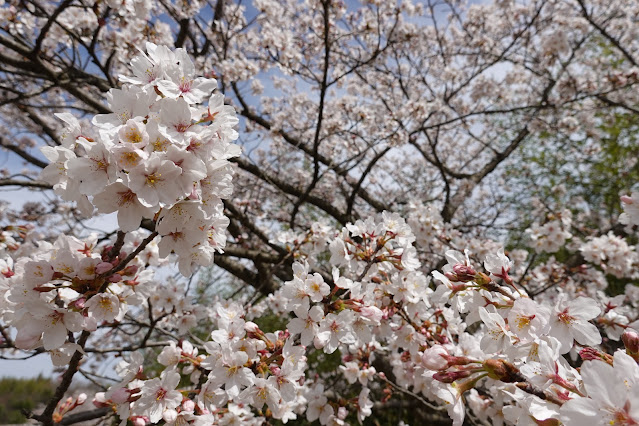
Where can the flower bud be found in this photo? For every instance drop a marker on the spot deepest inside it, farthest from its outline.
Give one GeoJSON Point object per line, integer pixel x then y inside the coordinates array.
{"type": "Point", "coordinates": [434, 358]}
{"type": "Point", "coordinates": [275, 370]}
{"type": "Point", "coordinates": [451, 376]}
{"type": "Point", "coordinates": [103, 267]}
{"type": "Point", "coordinates": [130, 270]}
{"type": "Point", "coordinates": [630, 339]}
{"type": "Point", "coordinates": [78, 304]}
{"type": "Point", "coordinates": [139, 421]}
{"type": "Point", "coordinates": [482, 279]}
{"type": "Point", "coordinates": [99, 400]}
{"type": "Point", "coordinates": [464, 273]}
{"type": "Point", "coordinates": [251, 327]}
{"type": "Point", "coordinates": [188, 405]}
{"type": "Point", "coordinates": [590, 354]}
{"type": "Point", "coordinates": [342, 413]}
{"type": "Point", "coordinates": [169, 416]}
{"type": "Point", "coordinates": [498, 369]}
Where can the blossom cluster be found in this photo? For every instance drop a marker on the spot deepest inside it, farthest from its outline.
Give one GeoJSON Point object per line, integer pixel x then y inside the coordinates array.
{"type": "Point", "coordinates": [409, 306]}
{"type": "Point", "coordinates": [159, 155]}
{"type": "Point", "coordinates": [66, 287]}
{"type": "Point", "coordinates": [376, 304]}
{"type": "Point", "coordinates": [552, 235]}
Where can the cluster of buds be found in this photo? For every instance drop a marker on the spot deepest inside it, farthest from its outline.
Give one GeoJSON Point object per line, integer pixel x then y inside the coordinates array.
{"type": "Point", "coordinates": [68, 405]}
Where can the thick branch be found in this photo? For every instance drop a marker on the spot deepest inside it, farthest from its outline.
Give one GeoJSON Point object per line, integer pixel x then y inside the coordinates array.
{"type": "Point", "coordinates": [262, 283]}
{"type": "Point", "coordinates": [85, 416]}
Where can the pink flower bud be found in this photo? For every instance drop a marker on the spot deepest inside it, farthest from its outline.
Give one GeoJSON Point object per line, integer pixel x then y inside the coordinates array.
{"type": "Point", "coordinates": [103, 267]}
{"type": "Point", "coordinates": [78, 304]}
{"type": "Point", "coordinates": [169, 416]}
{"type": "Point", "coordinates": [81, 399]}
{"type": "Point", "coordinates": [451, 276]}
{"type": "Point", "coordinates": [276, 370]}
{"type": "Point", "coordinates": [188, 405]}
{"type": "Point", "coordinates": [589, 354]}
{"type": "Point", "coordinates": [251, 327]}
{"type": "Point", "coordinates": [450, 376]}
{"type": "Point", "coordinates": [464, 272]}
{"type": "Point", "coordinates": [130, 270]}
{"type": "Point", "coordinates": [433, 358]}
{"type": "Point", "coordinates": [99, 400]}
{"type": "Point", "coordinates": [139, 421]}
{"type": "Point", "coordinates": [626, 199]}
{"type": "Point", "coordinates": [342, 413]}
{"type": "Point", "coordinates": [115, 278]}
{"type": "Point", "coordinates": [630, 339]}
{"type": "Point", "coordinates": [67, 402]}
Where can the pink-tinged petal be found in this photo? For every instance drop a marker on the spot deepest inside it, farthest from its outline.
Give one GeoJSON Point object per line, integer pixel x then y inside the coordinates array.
{"type": "Point", "coordinates": [54, 336]}
{"type": "Point", "coordinates": [171, 380]}
{"type": "Point", "coordinates": [173, 399]}
{"type": "Point", "coordinates": [155, 412]}
{"type": "Point", "coordinates": [288, 392]}
{"type": "Point", "coordinates": [169, 88]}
{"type": "Point", "coordinates": [583, 308]}
{"type": "Point", "coordinates": [73, 321]}
{"type": "Point", "coordinates": [562, 333]}
{"type": "Point", "coordinates": [295, 326]}
{"type": "Point", "coordinates": [586, 333]}
{"type": "Point", "coordinates": [580, 412]}
{"type": "Point", "coordinates": [603, 385]}
{"type": "Point", "coordinates": [627, 368]}
{"type": "Point", "coordinates": [634, 405]}
{"type": "Point", "coordinates": [316, 313]}
{"type": "Point", "coordinates": [308, 335]}
{"type": "Point", "coordinates": [28, 338]}
{"type": "Point", "coordinates": [321, 339]}
{"type": "Point", "coordinates": [129, 219]}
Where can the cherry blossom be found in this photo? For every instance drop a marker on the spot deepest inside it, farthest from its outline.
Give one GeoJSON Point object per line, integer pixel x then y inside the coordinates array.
{"type": "Point", "coordinates": [391, 208]}
{"type": "Point", "coordinates": [570, 320]}
{"type": "Point", "coordinates": [159, 394]}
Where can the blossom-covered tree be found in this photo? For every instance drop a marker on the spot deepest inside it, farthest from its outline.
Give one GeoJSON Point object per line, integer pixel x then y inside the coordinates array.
{"type": "Point", "coordinates": [362, 203]}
